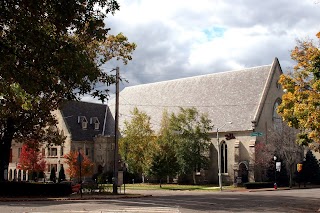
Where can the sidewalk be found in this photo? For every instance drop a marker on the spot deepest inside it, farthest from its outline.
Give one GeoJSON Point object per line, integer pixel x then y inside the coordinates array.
{"type": "Point", "coordinates": [86, 196]}
{"type": "Point", "coordinates": [284, 188]}
{"type": "Point", "coordinates": [131, 194]}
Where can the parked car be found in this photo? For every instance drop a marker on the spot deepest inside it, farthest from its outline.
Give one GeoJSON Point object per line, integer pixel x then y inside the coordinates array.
{"type": "Point", "coordinates": [76, 188]}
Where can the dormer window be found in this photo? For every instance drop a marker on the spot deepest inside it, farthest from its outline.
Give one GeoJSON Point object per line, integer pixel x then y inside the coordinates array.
{"type": "Point", "coordinates": [95, 122]}
{"type": "Point", "coordinates": [83, 121]}
{"type": "Point", "coordinates": [96, 125]}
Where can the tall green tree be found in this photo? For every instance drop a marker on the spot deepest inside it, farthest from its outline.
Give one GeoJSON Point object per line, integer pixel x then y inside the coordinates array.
{"type": "Point", "coordinates": [192, 141]}
{"type": "Point", "coordinates": [311, 169]}
{"type": "Point", "coordinates": [164, 161]}
{"type": "Point", "coordinates": [62, 175]}
{"type": "Point", "coordinates": [137, 142]}
{"type": "Point", "coordinates": [300, 104]}
{"type": "Point", "coordinates": [53, 176]}
{"type": "Point", "coordinates": [50, 51]}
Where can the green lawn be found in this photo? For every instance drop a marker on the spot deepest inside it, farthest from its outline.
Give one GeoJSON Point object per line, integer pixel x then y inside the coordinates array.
{"type": "Point", "coordinates": [146, 186]}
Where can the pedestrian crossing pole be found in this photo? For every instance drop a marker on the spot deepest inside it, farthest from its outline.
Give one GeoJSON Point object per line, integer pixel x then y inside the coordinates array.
{"type": "Point", "coordinates": [116, 136]}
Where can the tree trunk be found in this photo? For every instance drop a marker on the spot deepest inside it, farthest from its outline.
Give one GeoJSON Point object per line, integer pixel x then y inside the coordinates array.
{"type": "Point", "coordinates": [5, 146]}
{"type": "Point", "coordinates": [290, 175]}
{"type": "Point", "coordinates": [194, 178]}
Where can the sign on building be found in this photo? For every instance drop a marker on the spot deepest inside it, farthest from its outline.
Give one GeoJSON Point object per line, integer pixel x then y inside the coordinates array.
{"type": "Point", "coordinates": [278, 166]}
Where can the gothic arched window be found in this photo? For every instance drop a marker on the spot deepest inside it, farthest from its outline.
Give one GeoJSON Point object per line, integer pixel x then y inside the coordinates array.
{"type": "Point", "coordinates": [224, 157]}
{"type": "Point", "coordinates": [277, 121]}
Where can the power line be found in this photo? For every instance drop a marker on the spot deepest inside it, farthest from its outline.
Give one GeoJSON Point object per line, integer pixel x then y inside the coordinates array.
{"type": "Point", "coordinates": [204, 106]}
{"type": "Point", "coordinates": [131, 116]}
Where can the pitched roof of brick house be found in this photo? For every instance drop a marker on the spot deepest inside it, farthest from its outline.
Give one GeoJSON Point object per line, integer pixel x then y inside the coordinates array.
{"type": "Point", "coordinates": [234, 96]}
{"type": "Point", "coordinates": [76, 112]}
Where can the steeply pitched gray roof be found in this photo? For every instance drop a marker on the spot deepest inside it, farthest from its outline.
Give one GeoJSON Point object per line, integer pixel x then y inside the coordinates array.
{"type": "Point", "coordinates": [228, 96]}
{"type": "Point", "coordinates": [71, 110]}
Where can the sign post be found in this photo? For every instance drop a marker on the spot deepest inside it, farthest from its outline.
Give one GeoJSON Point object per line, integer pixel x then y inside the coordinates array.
{"type": "Point", "coordinates": [79, 160]}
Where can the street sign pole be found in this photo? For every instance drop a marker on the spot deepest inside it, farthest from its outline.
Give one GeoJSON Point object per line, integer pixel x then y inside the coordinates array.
{"type": "Point", "coordinates": [80, 158]}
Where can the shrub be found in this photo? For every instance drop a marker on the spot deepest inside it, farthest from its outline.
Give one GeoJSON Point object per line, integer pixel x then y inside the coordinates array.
{"type": "Point", "coordinates": [53, 175]}
{"type": "Point", "coordinates": [13, 189]}
{"type": "Point", "coordinates": [258, 185]}
{"type": "Point", "coordinates": [62, 175]}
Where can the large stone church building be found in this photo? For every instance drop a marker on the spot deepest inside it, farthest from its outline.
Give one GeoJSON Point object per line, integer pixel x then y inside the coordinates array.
{"type": "Point", "coordinates": [241, 104]}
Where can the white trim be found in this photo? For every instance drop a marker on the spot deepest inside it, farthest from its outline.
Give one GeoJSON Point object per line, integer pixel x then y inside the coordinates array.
{"type": "Point", "coordinates": [263, 98]}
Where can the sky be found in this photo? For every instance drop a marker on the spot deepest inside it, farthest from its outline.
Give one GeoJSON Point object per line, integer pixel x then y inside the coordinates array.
{"type": "Point", "coordinates": [183, 38]}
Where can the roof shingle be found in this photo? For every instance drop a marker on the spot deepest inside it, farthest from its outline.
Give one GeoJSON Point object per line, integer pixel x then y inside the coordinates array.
{"type": "Point", "coordinates": [73, 110]}
{"type": "Point", "coordinates": [227, 96]}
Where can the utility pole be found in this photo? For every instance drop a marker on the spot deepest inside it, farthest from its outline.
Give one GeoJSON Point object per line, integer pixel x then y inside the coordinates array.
{"type": "Point", "coordinates": [116, 136]}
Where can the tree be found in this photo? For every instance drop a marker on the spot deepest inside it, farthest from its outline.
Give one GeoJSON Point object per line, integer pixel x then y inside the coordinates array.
{"type": "Point", "coordinates": [263, 159]}
{"type": "Point", "coordinates": [31, 159]}
{"type": "Point", "coordinates": [192, 141]}
{"type": "Point", "coordinates": [137, 142]}
{"type": "Point", "coordinates": [62, 175]}
{"type": "Point", "coordinates": [164, 162]}
{"type": "Point", "coordinates": [311, 169]}
{"type": "Point", "coordinates": [300, 104]}
{"type": "Point", "coordinates": [53, 175]}
{"type": "Point", "coordinates": [74, 166]}
{"type": "Point", "coordinates": [51, 51]}
{"type": "Point", "coordinates": [282, 143]}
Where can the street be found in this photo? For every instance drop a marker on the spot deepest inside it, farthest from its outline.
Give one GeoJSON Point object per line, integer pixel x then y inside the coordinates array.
{"type": "Point", "coordinates": [297, 200]}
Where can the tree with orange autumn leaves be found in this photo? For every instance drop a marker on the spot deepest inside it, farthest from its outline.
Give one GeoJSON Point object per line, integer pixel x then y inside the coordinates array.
{"type": "Point", "coordinates": [300, 106]}
{"type": "Point", "coordinates": [74, 169]}
{"type": "Point", "coordinates": [31, 159]}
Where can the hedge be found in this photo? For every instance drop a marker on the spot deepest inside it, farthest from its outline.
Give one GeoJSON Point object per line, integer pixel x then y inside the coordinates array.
{"type": "Point", "coordinates": [9, 189]}
{"type": "Point", "coordinates": [258, 185]}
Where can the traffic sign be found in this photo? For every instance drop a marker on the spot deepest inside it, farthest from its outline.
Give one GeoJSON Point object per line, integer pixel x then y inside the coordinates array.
{"type": "Point", "coordinates": [256, 134]}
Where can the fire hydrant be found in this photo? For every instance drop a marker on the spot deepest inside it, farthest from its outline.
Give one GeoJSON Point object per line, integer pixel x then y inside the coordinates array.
{"type": "Point", "coordinates": [275, 186]}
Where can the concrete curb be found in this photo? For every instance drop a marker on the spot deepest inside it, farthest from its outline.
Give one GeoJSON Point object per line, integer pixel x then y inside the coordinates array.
{"type": "Point", "coordinates": [71, 198]}
{"type": "Point", "coordinates": [76, 197]}
{"type": "Point", "coordinates": [281, 188]}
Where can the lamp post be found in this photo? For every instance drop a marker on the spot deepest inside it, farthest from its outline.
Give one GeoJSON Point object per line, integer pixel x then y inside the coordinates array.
{"type": "Point", "coordinates": [219, 155]}
{"type": "Point", "coordinates": [275, 172]}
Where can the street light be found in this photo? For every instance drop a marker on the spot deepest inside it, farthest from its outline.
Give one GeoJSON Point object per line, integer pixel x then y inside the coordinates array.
{"type": "Point", "coordinates": [275, 172]}
{"type": "Point", "coordinates": [219, 155]}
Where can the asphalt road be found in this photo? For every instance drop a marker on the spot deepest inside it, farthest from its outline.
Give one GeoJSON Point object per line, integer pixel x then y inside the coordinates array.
{"type": "Point", "coordinates": [298, 200]}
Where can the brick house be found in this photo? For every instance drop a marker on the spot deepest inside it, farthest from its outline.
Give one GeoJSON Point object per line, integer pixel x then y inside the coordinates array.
{"type": "Point", "coordinates": [84, 125]}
